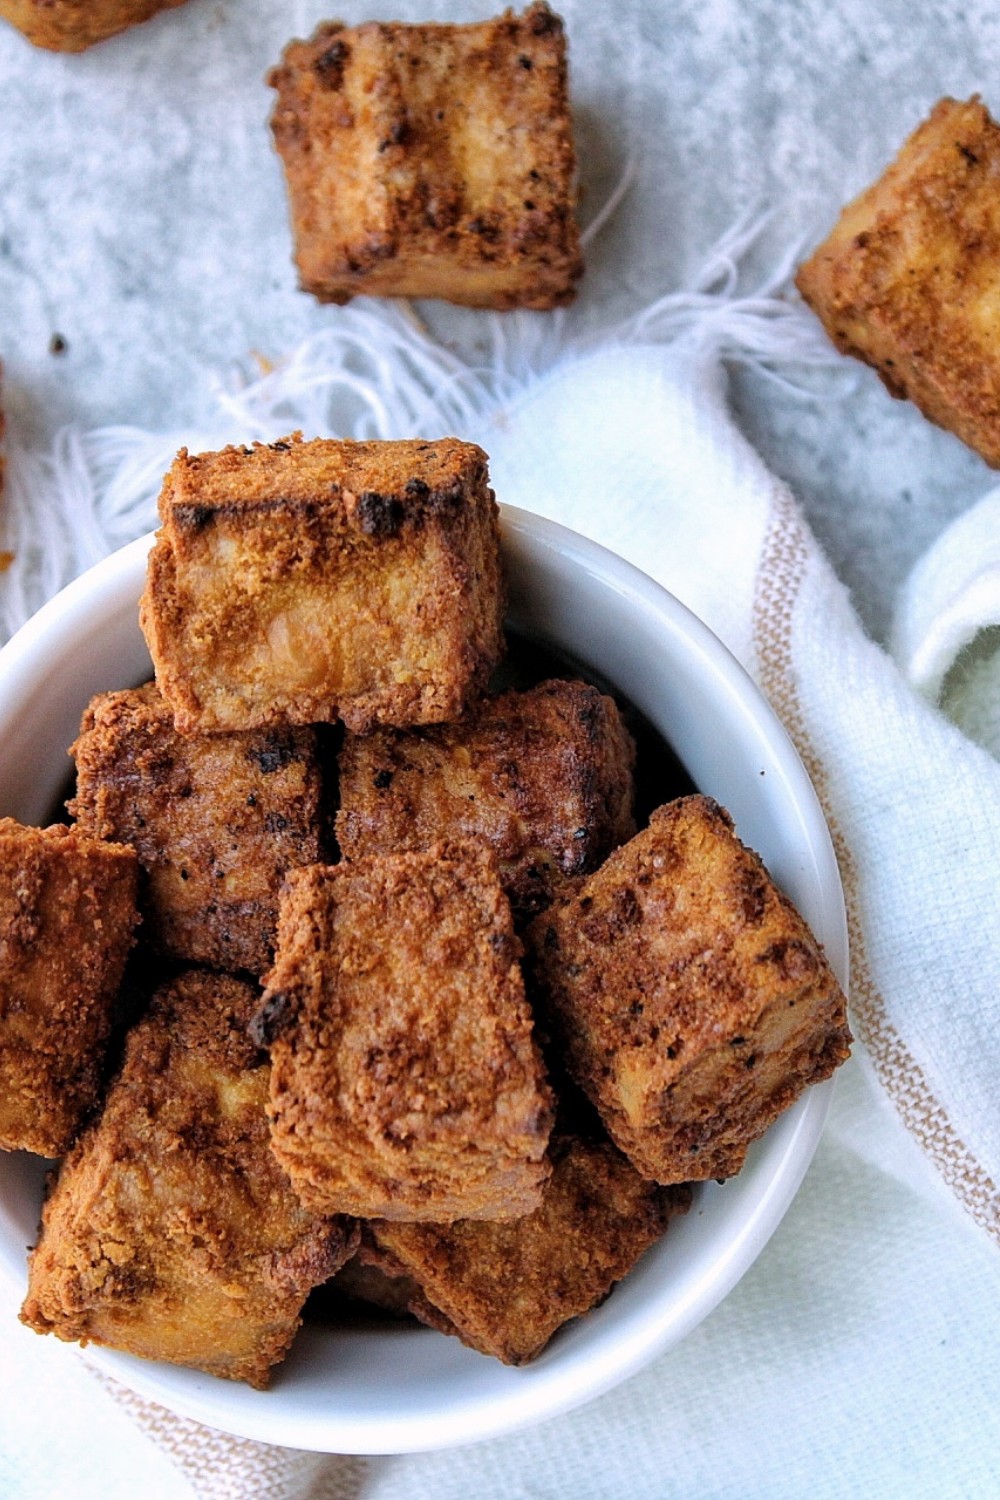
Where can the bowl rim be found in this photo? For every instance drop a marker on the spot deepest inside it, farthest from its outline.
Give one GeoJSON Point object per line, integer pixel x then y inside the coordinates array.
{"type": "Point", "coordinates": [546, 1388]}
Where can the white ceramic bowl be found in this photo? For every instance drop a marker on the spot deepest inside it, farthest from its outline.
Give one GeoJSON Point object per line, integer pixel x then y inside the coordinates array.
{"type": "Point", "coordinates": [390, 1389]}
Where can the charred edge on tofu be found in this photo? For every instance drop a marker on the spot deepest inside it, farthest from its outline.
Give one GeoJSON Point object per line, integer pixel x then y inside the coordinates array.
{"type": "Point", "coordinates": [272, 1020]}
{"type": "Point", "coordinates": [375, 514]}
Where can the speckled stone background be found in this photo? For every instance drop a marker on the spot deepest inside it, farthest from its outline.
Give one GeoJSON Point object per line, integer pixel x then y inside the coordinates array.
{"type": "Point", "coordinates": [143, 219]}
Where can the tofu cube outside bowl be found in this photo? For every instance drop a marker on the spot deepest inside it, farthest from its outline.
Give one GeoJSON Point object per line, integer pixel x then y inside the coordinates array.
{"type": "Point", "coordinates": [385, 1389]}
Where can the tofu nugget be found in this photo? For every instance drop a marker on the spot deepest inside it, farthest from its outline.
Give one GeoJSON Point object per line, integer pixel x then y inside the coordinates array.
{"type": "Point", "coordinates": [432, 161]}
{"type": "Point", "coordinates": [406, 1082]}
{"type": "Point", "coordinates": [544, 777]}
{"type": "Point", "coordinates": [692, 1001]}
{"type": "Point", "coordinates": [67, 914]}
{"type": "Point", "coordinates": [302, 582]}
{"type": "Point", "coordinates": [505, 1289]}
{"type": "Point", "coordinates": [171, 1232]}
{"type": "Point", "coordinates": [73, 25]}
{"type": "Point", "coordinates": [909, 279]}
{"type": "Point", "coordinates": [216, 820]}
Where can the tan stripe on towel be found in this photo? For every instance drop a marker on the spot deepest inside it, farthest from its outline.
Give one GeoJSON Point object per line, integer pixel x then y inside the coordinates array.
{"type": "Point", "coordinates": [221, 1467]}
{"type": "Point", "coordinates": [782, 570]}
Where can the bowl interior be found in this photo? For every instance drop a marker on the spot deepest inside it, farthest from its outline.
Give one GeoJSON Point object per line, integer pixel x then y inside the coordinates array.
{"type": "Point", "coordinates": [385, 1389]}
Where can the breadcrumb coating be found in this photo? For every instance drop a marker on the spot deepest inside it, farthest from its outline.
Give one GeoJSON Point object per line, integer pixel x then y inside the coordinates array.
{"type": "Point", "coordinates": [302, 582]}
{"type": "Point", "coordinates": [171, 1232]}
{"type": "Point", "coordinates": [505, 1288]}
{"type": "Point", "coordinates": [215, 820]}
{"type": "Point", "coordinates": [406, 1081]}
{"type": "Point", "coordinates": [692, 1002]}
{"type": "Point", "coordinates": [544, 777]}
{"type": "Point", "coordinates": [432, 161]}
{"type": "Point", "coordinates": [67, 917]}
{"type": "Point", "coordinates": [908, 279]}
{"type": "Point", "coordinates": [74, 25]}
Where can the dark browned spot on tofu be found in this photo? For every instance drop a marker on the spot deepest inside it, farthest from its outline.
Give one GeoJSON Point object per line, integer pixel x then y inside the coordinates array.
{"type": "Point", "coordinates": [194, 517]}
{"type": "Point", "coordinates": [379, 515]}
{"type": "Point", "coordinates": [276, 753]}
{"type": "Point", "coordinates": [792, 958]}
{"type": "Point", "coordinates": [329, 66]}
{"type": "Point", "coordinates": [628, 912]}
{"type": "Point", "coordinates": [399, 134]}
{"type": "Point", "coordinates": [274, 1017]}
{"type": "Point", "coordinates": [751, 894]}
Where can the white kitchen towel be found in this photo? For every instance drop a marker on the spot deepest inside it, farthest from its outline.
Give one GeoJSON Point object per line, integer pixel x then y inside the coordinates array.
{"type": "Point", "coordinates": [946, 633]}
{"type": "Point", "coordinates": [630, 441]}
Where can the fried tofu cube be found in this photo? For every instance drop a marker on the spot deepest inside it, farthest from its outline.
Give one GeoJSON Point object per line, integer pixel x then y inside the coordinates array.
{"type": "Point", "coordinates": [544, 777]}
{"type": "Point", "coordinates": [506, 1288]}
{"type": "Point", "coordinates": [300, 582]}
{"type": "Point", "coordinates": [67, 915]}
{"type": "Point", "coordinates": [216, 820]}
{"type": "Point", "coordinates": [171, 1232]}
{"type": "Point", "coordinates": [908, 280]}
{"type": "Point", "coordinates": [74, 25]}
{"type": "Point", "coordinates": [406, 1082]}
{"type": "Point", "coordinates": [432, 161]}
{"type": "Point", "coordinates": [692, 1001]}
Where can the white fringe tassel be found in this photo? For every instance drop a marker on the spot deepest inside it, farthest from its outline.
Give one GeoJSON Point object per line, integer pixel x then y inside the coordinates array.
{"type": "Point", "coordinates": [376, 373]}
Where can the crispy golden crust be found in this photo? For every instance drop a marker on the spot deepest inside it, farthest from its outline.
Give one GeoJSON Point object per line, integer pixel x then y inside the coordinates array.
{"type": "Point", "coordinates": [432, 161]}
{"type": "Point", "coordinates": [692, 1001]}
{"type": "Point", "coordinates": [504, 1289]}
{"type": "Point", "coordinates": [908, 280]}
{"type": "Point", "coordinates": [171, 1232]}
{"type": "Point", "coordinates": [544, 777]}
{"type": "Point", "coordinates": [67, 914]}
{"type": "Point", "coordinates": [300, 582]}
{"type": "Point", "coordinates": [216, 820]}
{"type": "Point", "coordinates": [406, 1082]}
{"type": "Point", "coordinates": [73, 25]}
